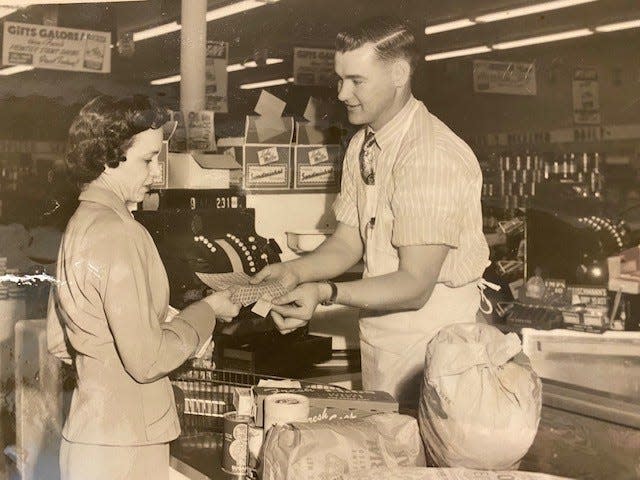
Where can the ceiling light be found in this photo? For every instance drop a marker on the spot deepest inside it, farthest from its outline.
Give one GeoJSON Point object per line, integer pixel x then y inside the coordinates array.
{"type": "Point", "coordinates": [252, 64]}
{"type": "Point", "coordinates": [156, 31]}
{"type": "Point", "coordinates": [4, 11]}
{"type": "Point", "coordinates": [166, 80]}
{"type": "Point", "coordinates": [266, 83]}
{"type": "Point", "coordinates": [612, 27]}
{"type": "Point", "coordinates": [444, 27]}
{"type": "Point", "coordinates": [530, 9]}
{"type": "Point", "coordinates": [234, 8]}
{"type": "Point", "coordinates": [543, 39]}
{"type": "Point", "coordinates": [457, 53]}
{"type": "Point", "coordinates": [16, 69]}
{"type": "Point", "coordinates": [230, 68]}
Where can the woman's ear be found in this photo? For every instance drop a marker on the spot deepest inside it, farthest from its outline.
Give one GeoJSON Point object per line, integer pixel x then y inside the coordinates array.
{"type": "Point", "coordinates": [401, 72]}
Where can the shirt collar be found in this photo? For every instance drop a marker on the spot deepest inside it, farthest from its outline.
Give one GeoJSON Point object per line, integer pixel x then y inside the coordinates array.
{"type": "Point", "coordinates": [388, 132]}
{"type": "Point", "coordinates": [95, 194]}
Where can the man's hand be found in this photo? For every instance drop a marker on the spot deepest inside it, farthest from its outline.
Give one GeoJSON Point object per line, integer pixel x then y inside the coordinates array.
{"type": "Point", "coordinates": [286, 325]}
{"type": "Point", "coordinates": [277, 271]}
{"type": "Point", "coordinates": [300, 303]}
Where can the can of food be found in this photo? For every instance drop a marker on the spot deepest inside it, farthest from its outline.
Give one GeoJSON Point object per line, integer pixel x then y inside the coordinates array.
{"type": "Point", "coordinates": [235, 444]}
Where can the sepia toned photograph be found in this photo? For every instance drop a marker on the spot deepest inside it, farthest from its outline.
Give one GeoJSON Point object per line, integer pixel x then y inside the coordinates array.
{"type": "Point", "coordinates": [320, 240]}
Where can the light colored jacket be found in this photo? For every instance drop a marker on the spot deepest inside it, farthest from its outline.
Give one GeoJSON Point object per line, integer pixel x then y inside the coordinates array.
{"type": "Point", "coordinates": [107, 315]}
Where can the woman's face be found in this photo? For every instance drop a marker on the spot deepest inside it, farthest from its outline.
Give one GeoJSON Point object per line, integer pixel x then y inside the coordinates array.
{"type": "Point", "coordinates": [133, 177]}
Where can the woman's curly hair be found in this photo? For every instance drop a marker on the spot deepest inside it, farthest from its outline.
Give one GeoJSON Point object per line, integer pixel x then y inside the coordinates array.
{"type": "Point", "coordinates": [103, 130]}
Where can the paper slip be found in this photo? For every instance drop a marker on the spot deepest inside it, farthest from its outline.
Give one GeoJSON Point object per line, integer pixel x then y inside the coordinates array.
{"type": "Point", "coordinates": [244, 293]}
{"type": "Point", "coordinates": [269, 105]}
{"type": "Point", "coordinates": [262, 307]}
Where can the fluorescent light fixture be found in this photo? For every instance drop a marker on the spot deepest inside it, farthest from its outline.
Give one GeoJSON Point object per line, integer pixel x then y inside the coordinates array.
{"type": "Point", "coordinates": [156, 31]}
{"type": "Point", "coordinates": [234, 8]}
{"type": "Point", "coordinates": [444, 27]}
{"type": "Point", "coordinates": [221, 12]}
{"type": "Point", "coordinates": [612, 27]}
{"type": "Point", "coordinates": [266, 83]}
{"type": "Point", "coordinates": [457, 53]}
{"type": "Point", "coordinates": [16, 69]}
{"type": "Point", "coordinates": [166, 80]}
{"type": "Point", "coordinates": [4, 11]}
{"type": "Point", "coordinates": [530, 9]}
{"type": "Point", "coordinates": [252, 64]}
{"type": "Point", "coordinates": [543, 39]}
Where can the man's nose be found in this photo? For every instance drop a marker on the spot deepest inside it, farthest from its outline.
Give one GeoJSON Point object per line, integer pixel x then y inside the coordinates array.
{"type": "Point", "coordinates": [343, 92]}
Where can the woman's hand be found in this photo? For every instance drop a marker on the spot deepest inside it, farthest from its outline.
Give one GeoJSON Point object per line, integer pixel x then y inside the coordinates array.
{"type": "Point", "coordinates": [222, 305]}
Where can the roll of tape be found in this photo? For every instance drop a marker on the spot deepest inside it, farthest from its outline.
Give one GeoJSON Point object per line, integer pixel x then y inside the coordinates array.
{"type": "Point", "coordinates": [282, 408]}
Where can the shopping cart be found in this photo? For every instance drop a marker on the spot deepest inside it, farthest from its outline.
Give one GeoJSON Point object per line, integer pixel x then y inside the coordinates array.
{"type": "Point", "coordinates": [204, 395]}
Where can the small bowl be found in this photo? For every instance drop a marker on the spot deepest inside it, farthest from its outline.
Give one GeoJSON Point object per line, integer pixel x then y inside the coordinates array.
{"type": "Point", "coordinates": [307, 240]}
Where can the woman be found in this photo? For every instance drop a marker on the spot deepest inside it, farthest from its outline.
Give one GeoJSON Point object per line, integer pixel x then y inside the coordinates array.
{"type": "Point", "coordinates": [109, 310]}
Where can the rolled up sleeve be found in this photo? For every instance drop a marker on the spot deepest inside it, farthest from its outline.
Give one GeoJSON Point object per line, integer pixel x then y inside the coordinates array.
{"type": "Point", "coordinates": [345, 206]}
{"type": "Point", "coordinates": [428, 199]}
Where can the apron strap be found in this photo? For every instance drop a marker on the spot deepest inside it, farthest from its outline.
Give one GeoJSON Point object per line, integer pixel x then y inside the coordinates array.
{"type": "Point", "coordinates": [486, 306]}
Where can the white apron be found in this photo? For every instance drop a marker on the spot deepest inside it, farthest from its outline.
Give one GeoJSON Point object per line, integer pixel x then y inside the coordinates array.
{"type": "Point", "coordinates": [393, 345]}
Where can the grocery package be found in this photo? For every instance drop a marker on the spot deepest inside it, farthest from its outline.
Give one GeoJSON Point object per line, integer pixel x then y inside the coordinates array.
{"type": "Point", "coordinates": [330, 404]}
{"type": "Point", "coordinates": [322, 450]}
{"type": "Point", "coordinates": [417, 473]}
{"type": "Point", "coordinates": [480, 401]}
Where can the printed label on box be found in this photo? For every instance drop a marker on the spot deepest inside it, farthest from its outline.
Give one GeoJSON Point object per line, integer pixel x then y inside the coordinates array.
{"type": "Point", "coordinates": [267, 175]}
{"type": "Point", "coordinates": [319, 155]}
{"type": "Point", "coordinates": [268, 155]}
{"type": "Point", "coordinates": [316, 174]}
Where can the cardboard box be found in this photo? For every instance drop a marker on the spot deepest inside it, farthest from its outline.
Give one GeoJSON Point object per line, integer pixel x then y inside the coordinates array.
{"type": "Point", "coordinates": [200, 170]}
{"type": "Point", "coordinates": [332, 403]}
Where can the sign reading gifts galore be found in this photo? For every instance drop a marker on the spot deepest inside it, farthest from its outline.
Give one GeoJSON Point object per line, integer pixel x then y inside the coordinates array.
{"type": "Point", "coordinates": [56, 48]}
{"type": "Point", "coordinates": [313, 66]}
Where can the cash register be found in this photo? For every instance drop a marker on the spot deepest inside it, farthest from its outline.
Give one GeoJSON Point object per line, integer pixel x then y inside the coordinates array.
{"type": "Point", "coordinates": [212, 231]}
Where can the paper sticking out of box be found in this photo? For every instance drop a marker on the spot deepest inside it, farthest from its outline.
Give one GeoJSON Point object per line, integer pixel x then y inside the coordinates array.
{"type": "Point", "coordinates": [315, 110]}
{"type": "Point", "coordinates": [269, 106]}
{"type": "Point", "coordinates": [243, 401]}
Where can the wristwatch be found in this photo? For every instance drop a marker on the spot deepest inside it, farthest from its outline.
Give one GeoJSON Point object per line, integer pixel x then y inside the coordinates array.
{"type": "Point", "coordinates": [334, 294]}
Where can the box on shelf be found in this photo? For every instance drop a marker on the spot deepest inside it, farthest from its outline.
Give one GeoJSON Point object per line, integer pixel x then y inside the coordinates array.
{"type": "Point", "coordinates": [608, 362]}
{"type": "Point", "coordinates": [317, 157]}
{"type": "Point", "coordinates": [326, 404]}
{"type": "Point", "coordinates": [267, 153]}
{"type": "Point", "coordinates": [200, 170]}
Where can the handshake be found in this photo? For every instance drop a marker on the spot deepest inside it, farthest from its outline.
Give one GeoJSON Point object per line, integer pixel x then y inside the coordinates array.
{"type": "Point", "coordinates": [291, 304]}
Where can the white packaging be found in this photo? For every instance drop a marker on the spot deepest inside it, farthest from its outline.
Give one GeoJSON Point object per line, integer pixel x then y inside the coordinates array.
{"type": "Point", "coordinates": [282, 408]}
{"type": "Point", "coordinates": [481, 401]}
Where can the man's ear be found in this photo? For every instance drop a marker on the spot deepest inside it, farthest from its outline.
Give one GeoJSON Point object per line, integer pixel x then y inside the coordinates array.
{"type": "Point", "coordinates": [401, 72]}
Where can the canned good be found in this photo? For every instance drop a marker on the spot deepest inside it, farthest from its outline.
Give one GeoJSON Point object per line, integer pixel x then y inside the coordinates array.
{"type": "Point", "coordinates": [235, 444]}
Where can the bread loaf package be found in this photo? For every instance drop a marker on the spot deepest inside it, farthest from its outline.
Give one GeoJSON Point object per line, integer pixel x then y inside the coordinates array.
{"type": "Point", "coordinates": [318, 451]}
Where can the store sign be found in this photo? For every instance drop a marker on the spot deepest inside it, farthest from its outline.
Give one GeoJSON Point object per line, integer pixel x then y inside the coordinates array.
{"type": "Point", "coordinates": [216, 81]}
{"type": "Point", "coordinates": [586, 97]}
{"type": "Point", "coordinates": [56, 48]}
{"type": "Point", "coordinates": [313, 66]}
{"type": "Point", "coordinates": [510, 78]}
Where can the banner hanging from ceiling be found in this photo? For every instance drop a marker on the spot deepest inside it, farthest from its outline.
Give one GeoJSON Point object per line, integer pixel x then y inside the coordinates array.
{"type": "Point", "coordinates": [56, 48]}
{"type": "Point", "coordinates": [510, 78]}
{"type": "Point", "coordinates": [216, 76]}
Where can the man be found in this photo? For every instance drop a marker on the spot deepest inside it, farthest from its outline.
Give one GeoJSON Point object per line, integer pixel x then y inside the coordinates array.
{"type": "Point", "coordinates": [410, 203]}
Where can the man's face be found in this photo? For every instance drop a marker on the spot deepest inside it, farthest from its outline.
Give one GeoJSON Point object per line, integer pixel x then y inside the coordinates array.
{"type": "Point", "coordinates": [365, 86]}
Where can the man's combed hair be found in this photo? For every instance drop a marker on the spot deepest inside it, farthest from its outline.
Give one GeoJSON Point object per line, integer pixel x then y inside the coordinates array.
{"type": "Point", "coordinates": [391, 37]}
{"type": "Point", "coordinates": [103, 130]}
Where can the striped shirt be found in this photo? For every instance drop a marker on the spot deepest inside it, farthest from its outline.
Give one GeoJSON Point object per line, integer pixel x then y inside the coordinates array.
{"type": "Point", "coordinates": [433, 191]}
